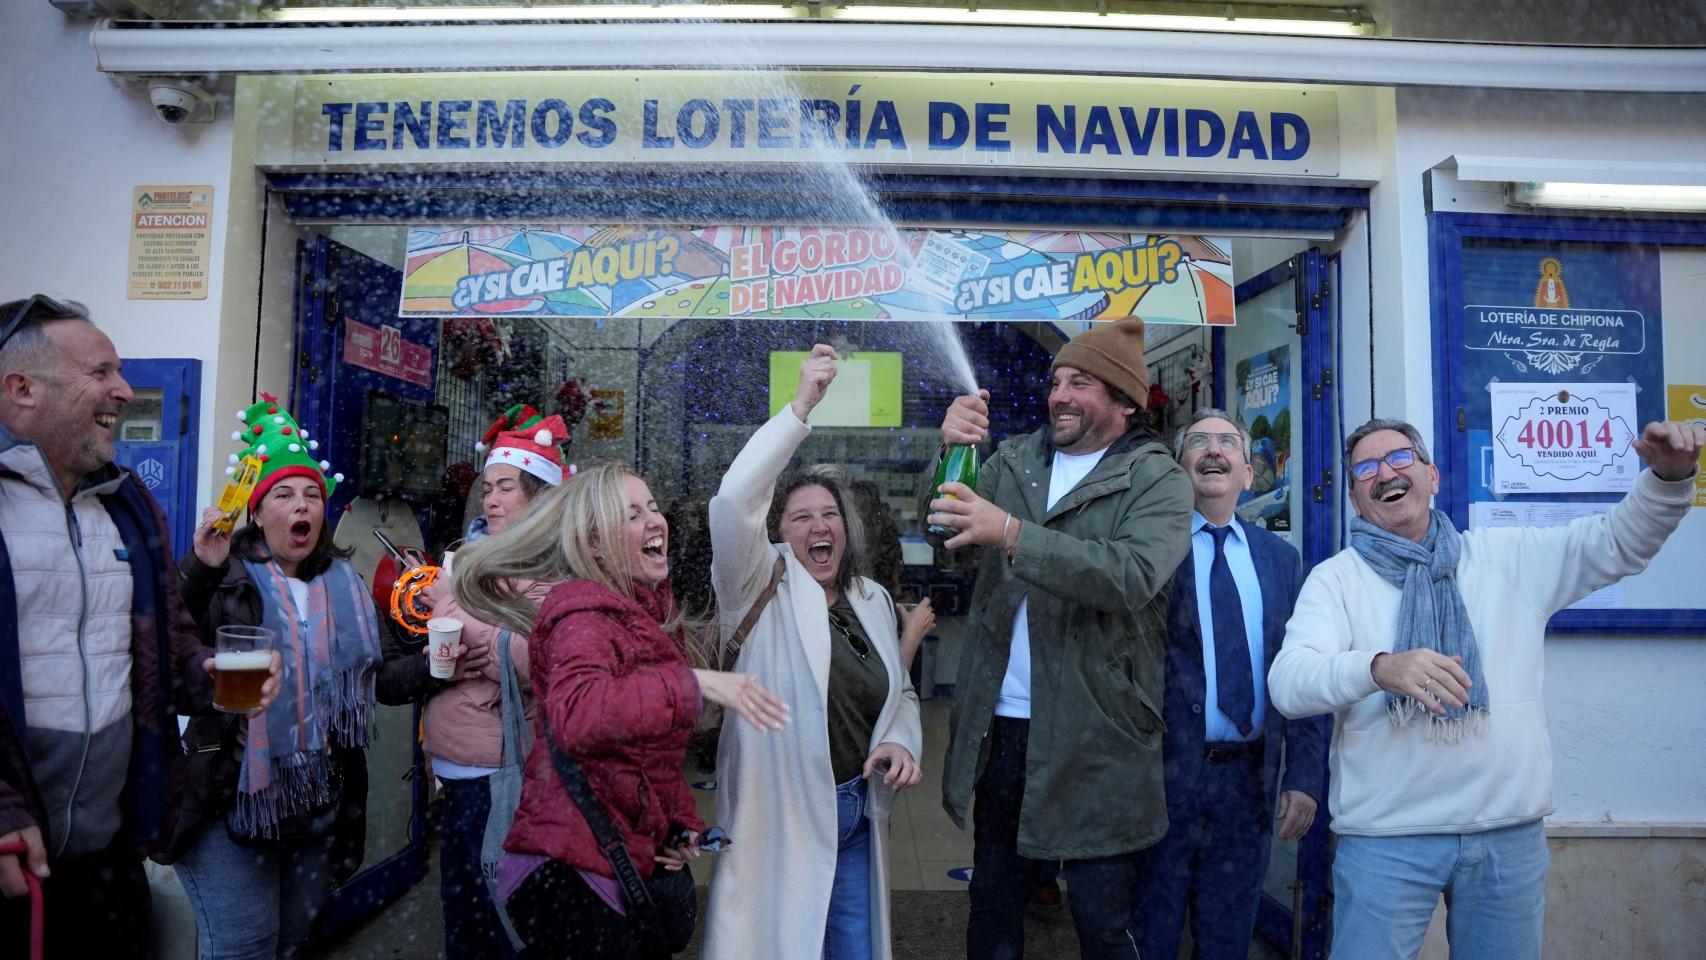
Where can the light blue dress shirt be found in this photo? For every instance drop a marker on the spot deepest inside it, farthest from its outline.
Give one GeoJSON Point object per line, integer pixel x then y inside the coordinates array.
{"type": "Point", "coordinates": [1218, 726]}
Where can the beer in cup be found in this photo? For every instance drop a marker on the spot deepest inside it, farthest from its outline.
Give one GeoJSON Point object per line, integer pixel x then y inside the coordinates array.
{"type": "Point", "coordinates": [443, 634]}
{"type": "Point", "coordinates": [241, 658]}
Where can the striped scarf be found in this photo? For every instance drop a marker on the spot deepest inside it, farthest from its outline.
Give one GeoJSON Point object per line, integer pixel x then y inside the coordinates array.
{"type": "Point", "coordinates": [1431, 615]}
{"type": "Point", "coordinates": [329, 652]}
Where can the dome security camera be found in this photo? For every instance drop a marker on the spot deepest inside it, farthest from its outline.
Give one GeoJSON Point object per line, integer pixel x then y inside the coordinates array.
{"type": "Point", "coordinates": [178, 101]}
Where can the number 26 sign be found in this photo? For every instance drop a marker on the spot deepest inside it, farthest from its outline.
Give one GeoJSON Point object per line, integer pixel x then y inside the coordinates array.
{"type": "Point", "coordinates": [1563, 437]}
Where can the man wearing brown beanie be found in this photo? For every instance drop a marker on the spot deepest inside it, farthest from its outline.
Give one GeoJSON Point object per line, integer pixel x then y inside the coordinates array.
{"type": "Point", "coordinates": [1056, 727]}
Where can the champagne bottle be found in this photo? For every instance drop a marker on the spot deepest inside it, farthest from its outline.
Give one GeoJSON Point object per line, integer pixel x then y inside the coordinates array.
{"type": "Point", "coordinates": [959, 465]}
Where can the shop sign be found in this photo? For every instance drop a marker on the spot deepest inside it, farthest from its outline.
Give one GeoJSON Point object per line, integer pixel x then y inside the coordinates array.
{"type": "Point", "coordinates": [1563, 437]}
{"type": "Point", "coordinates": [170, 228]}
{"type": "Point", "coordinates": [833, 273]}
{"type": "Point", "coordinates": [383, 350]}
{"type": "Point", "coordinates": [1567, 343]}
{"type": "Point", "coordinates": [914, 119]}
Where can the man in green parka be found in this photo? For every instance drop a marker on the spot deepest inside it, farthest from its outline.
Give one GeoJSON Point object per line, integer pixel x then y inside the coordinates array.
{"type": "Point", "coordinates": [1056, 725]}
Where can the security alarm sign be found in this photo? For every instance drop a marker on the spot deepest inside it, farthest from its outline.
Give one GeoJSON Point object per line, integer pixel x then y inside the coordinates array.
{"type": "Point", "coordinates": [170, 231]}
{"type": "Point", "coordinates": [1563, 438]}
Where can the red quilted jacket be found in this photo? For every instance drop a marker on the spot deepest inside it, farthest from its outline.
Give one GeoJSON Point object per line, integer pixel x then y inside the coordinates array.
{"type": "Point", "coordinates": [621, 699]}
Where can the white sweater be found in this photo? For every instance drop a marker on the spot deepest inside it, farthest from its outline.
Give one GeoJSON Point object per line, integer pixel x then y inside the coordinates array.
{"type": "Point", "coordinates": [1391, 781]}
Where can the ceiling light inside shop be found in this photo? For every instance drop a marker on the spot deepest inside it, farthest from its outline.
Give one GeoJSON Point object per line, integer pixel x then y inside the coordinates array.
{"type": "Point", "coordinates": [1235, 18]}
{"type": "Point", "coordinates": [1674, 198]}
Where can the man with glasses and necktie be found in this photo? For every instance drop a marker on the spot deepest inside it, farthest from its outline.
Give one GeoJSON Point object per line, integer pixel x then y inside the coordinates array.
{"type": "Point", "coordinates": [96, 650]}
{"type": "Point", "coordinates": [1426, 646]}
{"type": "Point", "coordinates": [1230, 600]}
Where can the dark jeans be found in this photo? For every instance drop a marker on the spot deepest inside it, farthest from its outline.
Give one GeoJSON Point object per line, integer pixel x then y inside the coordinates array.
{"type": "Point", "coordinates": [95, 906]}
{"type": "Point", "coordinates": [1214, 859]}
{"type": "Point", "coordinates": [560, 918]}
{"type": "Point", "coordinates": [1099, 891]}
{"type": "Point", "coordinates": [472, 930]}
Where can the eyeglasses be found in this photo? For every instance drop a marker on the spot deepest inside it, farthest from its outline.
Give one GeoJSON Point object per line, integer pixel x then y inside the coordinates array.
{"type": "Point", "coordinates": [1399, 459]}
{"type": "Point", "coordinates": [854, 640]}
{"type": "Point", "coordinates": [1225, 441]}
{"type": "Point", "coordinates": [51, 308]}
{"type": "Point", "coordinates": [715, 840]}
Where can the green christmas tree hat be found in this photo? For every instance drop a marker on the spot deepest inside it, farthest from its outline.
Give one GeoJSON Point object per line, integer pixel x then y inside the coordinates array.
{"type": "Point", "coordinates": [282, 448]}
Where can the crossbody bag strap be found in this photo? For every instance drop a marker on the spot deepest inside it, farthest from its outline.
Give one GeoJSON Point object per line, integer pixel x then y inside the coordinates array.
{"type": "Point", "coordinates": [516, 741]}
{"type": "Point", "coordinates": [609, 838]}
{"type": "Point", "coordinates": [731, 652]}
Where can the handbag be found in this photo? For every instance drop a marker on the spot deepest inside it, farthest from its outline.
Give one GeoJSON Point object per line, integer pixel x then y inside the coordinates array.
{"type": "Point", "coordinates": [505, 783]}
{"type": "Point", "coordinates": [663, 909]}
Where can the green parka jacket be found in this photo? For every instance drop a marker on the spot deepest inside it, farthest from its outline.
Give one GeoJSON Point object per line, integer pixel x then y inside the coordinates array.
{"type": "Point", "coordinates": [1096, 568]}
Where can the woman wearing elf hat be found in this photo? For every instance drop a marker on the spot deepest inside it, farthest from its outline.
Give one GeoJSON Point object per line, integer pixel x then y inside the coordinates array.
{"type": "Point", "coordinates": [274, 806]}
{"type": "Point", "coordinates": [465, 722]}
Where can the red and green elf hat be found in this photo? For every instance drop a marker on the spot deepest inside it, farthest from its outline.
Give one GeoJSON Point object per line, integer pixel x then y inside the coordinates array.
{"type": "Point", "coordinates": [283, 448]}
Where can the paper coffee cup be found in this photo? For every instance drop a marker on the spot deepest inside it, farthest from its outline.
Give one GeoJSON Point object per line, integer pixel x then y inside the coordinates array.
{"type": "Point", "coordinates": [443, 633]}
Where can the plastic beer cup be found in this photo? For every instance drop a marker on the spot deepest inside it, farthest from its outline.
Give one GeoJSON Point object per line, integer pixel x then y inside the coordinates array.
{"type": "Point", "coordinates": [879, 794]}
{"type": "Point", "coordinates": [242, 657]}
{"type": "Point", "coordinates": [443, 634]}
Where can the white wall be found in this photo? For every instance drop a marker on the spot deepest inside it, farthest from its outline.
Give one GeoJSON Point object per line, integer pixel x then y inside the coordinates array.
{"type": "Point", "coordinates": [75, 145]}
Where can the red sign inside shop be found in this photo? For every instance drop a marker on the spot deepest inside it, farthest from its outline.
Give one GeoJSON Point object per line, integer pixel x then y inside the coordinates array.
{"type": "Point", "coordinates": [383, 350]}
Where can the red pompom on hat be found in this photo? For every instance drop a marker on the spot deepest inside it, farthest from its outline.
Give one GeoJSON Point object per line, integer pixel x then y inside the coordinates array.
{"type": "Point", "coordinates": [537, 450]}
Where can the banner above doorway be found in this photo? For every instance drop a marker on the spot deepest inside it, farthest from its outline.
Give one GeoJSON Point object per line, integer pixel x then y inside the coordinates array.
{"type": "Point", "coordinates": [829, 273]}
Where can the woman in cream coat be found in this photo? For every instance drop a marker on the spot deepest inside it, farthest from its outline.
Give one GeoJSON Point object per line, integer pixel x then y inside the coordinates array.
{"type": "Point", "coordinates": [793, 821]}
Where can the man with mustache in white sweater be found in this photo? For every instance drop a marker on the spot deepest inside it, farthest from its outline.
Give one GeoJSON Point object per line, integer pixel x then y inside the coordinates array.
{"type": "Point", "coordinates": [1426, 645]}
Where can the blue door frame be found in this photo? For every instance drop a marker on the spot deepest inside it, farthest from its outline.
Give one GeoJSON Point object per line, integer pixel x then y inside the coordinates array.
{"type": "Point", "coordinates": [319, 400]}
{"type": "Point", "coordinates": [1304, 923]}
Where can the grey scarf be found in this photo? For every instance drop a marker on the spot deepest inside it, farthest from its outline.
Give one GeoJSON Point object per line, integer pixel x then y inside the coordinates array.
{"type": "Point", "coordinates": [1431, 615]}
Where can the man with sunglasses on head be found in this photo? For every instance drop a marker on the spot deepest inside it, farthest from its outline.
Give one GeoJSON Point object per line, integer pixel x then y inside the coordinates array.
{"type": "Point", "coordinates": [1426, 646]}
{"type": "Point", "coordinates": [1056, 728]}
{"type": "Point", "coordinates": [1230, 601]}
{"type": "Point", "coordinates": [96, 650]}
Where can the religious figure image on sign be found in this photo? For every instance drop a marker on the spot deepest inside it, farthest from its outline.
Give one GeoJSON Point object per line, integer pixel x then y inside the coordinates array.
{"type": "Point", "coordinates": [1563, 437]}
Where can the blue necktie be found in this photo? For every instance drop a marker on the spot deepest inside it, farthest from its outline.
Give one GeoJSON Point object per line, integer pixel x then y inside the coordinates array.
{"type": "Point", "coordinates": [1231, 644]}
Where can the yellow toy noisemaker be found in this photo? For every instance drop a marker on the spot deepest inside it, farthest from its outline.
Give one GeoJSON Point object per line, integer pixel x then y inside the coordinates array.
{"type": "Point", "coordinates": [235, 496]}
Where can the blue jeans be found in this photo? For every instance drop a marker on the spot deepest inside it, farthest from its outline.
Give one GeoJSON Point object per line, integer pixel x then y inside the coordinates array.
{"type": "Point", "coordinates": [1385, 889]}
{"type": "Point", "coordinates": [847, 935]}
{"type": "Point", "coordinates": [254, 902]}
{"type": "Point", "coordinates": [472, 930]}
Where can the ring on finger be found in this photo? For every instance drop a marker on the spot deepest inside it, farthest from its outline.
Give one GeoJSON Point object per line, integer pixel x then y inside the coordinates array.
{"type": "Point", "coordinates": [1425, 682]}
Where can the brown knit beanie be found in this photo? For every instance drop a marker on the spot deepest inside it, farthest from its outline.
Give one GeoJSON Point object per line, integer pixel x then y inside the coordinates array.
{"type": "Point", "coordinates": [1113, 354]}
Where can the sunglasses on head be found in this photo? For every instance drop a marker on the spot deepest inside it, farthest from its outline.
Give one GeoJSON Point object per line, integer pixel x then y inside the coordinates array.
{"type": "Point", "coordinates": [1398, 459]}
{"type": "Point", "coordinates": [48, 307]}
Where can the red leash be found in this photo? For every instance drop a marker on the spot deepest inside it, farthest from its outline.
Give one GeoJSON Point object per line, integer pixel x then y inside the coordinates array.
{"type": "Point", "coordinates": [30, 880]}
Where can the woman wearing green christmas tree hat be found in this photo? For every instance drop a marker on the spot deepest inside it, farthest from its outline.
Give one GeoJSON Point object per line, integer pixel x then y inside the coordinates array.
{"type": "Point", "coordinates": [274, 807]}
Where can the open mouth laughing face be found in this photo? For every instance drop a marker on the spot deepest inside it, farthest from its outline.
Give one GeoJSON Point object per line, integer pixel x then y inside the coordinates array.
{"type": "Point", "coordinates": [290, 516]}
{"type": "Point", "coordinates": [813, 527]}
{"type": "Point", "coordinates": [1397, 499]}
{"type": "Point", "coordinates": [645, 535]}
{"type": "Point", "coordinates": [1214, 459]}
